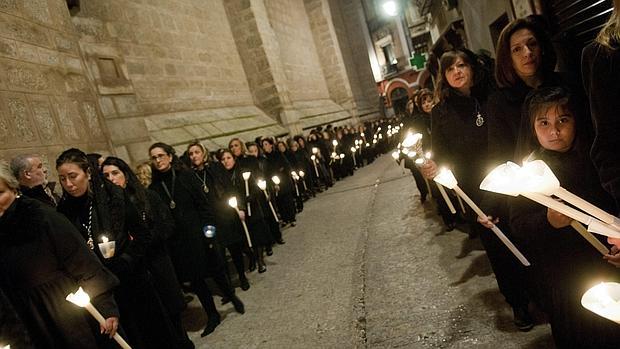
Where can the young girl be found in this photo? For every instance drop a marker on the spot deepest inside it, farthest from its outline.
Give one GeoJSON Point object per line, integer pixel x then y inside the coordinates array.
{"type": "Point", "coordinates": [569, 265]}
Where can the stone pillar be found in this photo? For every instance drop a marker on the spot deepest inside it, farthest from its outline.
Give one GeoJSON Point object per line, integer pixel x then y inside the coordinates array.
{"type": "Point", "coordinates": [259, 51]}
{"type": "Point", "coordinates": [330, 55]}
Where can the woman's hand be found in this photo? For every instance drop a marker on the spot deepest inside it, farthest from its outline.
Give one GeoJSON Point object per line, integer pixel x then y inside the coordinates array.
{"type": "Point", "coordinates": [557, 220]}
{"type": "Point", "coordinates": [488, 222]}
{"type": "Point", "coordinates": [241, 215]}
{"type": "Point", "coordinates": [614, 256]}
{"type": "Point", "coordinates": [110, 327]}
{"type": "Point", "coordinates": [429, 169]}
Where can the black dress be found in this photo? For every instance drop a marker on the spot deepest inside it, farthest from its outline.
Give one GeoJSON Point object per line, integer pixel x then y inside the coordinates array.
{"type": "Point", "coordinates": [42, 260]}
{"type": "Point", "coordinates": [601, 69]}
{"type": "Point", "coordinates": [570, 265]}
{"type": "Point", "coordinates": [277, 165]}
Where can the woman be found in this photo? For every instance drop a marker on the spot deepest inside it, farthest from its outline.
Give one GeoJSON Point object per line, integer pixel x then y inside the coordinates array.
{"type": "Point", "coordinates": [570, 265]}
{"type": "Point", "coordinates": [277, 165]}
{"type": "Point", "coordinates": [194, 255]}
{"type": "Point", "coordinates": [44, 259]}
{"type": "Point", "coordinates": [156, 216]}
{"type": "Point", "coordinates": [144, 173]}
{"type": "Point", "coordinates": [259, 231]}
{"type": "Point", "coordinates": [99, 209]}
{"type": "Point", "coordinates": [460, 143]}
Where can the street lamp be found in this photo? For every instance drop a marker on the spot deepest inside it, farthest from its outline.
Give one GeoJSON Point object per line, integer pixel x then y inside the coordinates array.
{"type": "Point", "coordinates": [391, 8]}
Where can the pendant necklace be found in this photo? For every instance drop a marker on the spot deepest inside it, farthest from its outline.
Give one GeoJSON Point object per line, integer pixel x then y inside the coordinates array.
{"type": "Point", "coordinates": [90, 242]}
{"type": "Point", "coordinates": [172, 204]}
{"type": "Point", "coordinates": [479, 118]}
{"type": "Point", "coordinates": [205, 188]}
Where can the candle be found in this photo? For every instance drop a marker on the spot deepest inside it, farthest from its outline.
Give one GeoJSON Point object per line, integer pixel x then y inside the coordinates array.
{"type": "Point", "coordinates": [353, 150]}
{"type": "Point", "coordinates": [303, 181]}
{"type": "Point", "coordinates": [295, 178]}
{"type": "Point", "coordinates": [106, 247]}
{"type": "Point", "coordinates": [446, 198]}
{"type": "Point", "coordinates": [602, 300]}
{"type": "Point", "coordinates": [262, 184]}
{"type": "Point", "coordinates": [447, 179]}
{"type": "Point", "coordinates": [461, 204]}
{"type": "Point", "coordinates": [81, 299]}
{"type": "Point", "coordinates": [316, 171]}
{"type": "Point", "coordinates": [232, 202]}
{"type": "Point", "coordinates": [246, 176]}
{"type": "Point", "coordinates": [589, 237]}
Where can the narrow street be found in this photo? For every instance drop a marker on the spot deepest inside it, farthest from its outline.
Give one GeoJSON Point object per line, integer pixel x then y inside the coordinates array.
{"type": "Point", "coordinates": [368, 266]}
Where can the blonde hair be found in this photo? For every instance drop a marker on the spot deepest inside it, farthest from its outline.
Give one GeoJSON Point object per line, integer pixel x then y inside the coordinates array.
{"type": "Point", "coordinates": [144, 172]}
{"type": "Point", "coordinates": [609, 36]}
{"type": "Point", "coordinates": [6, 175]}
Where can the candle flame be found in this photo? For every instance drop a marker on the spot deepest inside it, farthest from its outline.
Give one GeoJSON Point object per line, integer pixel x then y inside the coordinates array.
{"type": "Point", "coordinates": [104, 239]}
{"type": "Point", "coordinates": [276, 180]}
{"type": "Point", "coordinates": [395, 155]}
{"type": "Point", "coordinates": [352, 149]}
{"type": "Point", "coordinates": [315, 150]}
{"type": "Point", "coordinates": [411, 154]}
{"type": "Point", "coordinates": [335, 142]}
{"type": "Point", "coordinates": [503, 179]}
{"type": "Point", "coordinates": [601, 300]}
{"type": "Point", "coordinates": [302, 174]}
{"type": "Point", "coordinates": [232, 202]}
{"type": "Point", "coordinates": [446, 178]}
{"type": "Point", "coordinates": [262, 184]}
{"type": "Point", "coordinates": [246, 175]}
{"type": "Point", "coordinates": [79, 298]}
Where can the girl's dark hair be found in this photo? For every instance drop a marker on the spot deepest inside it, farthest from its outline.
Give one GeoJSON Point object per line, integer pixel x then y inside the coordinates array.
{"type": "Point", "coordinates": [137, 193]}
{"type": "Point", "coordinates": [89, 166]}
{"type": "Point", "coordinates": [443, 89]}
{"type": "Point", "coordinates": [221, 152]}
{"type": "Point", "coordinates": [539, 101]}
{"type": "Point", "coordinates": [505, 73]}
{"type": "Point", "coordinates": [268, 140]}
{"type": "Point", "coordinates": [285, 145]}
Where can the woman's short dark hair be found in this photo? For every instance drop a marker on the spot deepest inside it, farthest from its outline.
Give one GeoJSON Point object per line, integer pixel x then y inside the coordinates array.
{"type": "Point", "coordinates": [168, 149]}
{"type": "Point", "coordinates": [505, 73]}
{"type": "Point", "coordinates": [74, 156]}
{"type": "Point", "coordinates": [422, 94]}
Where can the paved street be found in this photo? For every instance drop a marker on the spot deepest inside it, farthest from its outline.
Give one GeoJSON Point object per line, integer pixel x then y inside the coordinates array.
{"type": "Point", "coordinates": [368, 266]}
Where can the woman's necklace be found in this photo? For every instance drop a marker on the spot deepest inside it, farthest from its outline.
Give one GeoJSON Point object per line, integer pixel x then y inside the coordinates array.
{"type": "Point", "coordinates": [479, 118]}
{"type": "Point", "coordinates": [205, 188]}
{"type": "Point", "coordinates": [90, 242]}
{"type": "Point", "coordinates": [172, 204]}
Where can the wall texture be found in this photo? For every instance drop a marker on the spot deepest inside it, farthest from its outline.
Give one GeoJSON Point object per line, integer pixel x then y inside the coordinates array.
{"type": "Point", "coordinates": [120, 74]}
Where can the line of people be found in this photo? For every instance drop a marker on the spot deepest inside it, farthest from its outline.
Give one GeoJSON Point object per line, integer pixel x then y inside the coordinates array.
{"type": "Point", "coordinates": [170, 223]}
{"type": "Point", "coordinates": [482, 115]}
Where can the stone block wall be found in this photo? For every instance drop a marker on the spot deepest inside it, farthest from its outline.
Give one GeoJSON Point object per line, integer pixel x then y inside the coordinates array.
{"type": "Point", "coordinates": [47, 103]}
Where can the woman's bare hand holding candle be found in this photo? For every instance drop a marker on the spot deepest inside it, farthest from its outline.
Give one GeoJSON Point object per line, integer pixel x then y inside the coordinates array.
{"type": "Point", "coordinates": [488, 222]}
{"type": "Point", "coordinates": [429, 169]}
{"type": "Point", "coordinates": [111, 326]}
{"type": "Point", "coordinates": [557, 220]}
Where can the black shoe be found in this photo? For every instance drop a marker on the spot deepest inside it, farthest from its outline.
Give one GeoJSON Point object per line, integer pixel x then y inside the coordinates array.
{"type": "Point", "coordinates": [269, 251]}
{"type": "Point", "coordinates": [245, 285]}
{"type": "Point", "coordinates": [225, 300]}
{"type": "Point", "coordinates": [280, 241]}
{"type": "Point", "coordinates": [252, 266]}
{"type": "Point", "coordinates": [238, 304]}
{"type": "Point", "coordinates": [450, 226]}
{"type": "Point", "coordinates": [262, 268]}
{"type": "Point", "coordinates": [522, 319]}
{"type": "Point", "coordinates": [211, 325]}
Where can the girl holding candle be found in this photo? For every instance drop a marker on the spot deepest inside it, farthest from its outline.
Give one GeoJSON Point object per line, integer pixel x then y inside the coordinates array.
{"type": "Point", "coordinates": [157, 217]}
{"type": "Point", "coordinates": [43, 259]}
{"type": "Point", "coordinates": [194, 255]}
{"type": "Point", "coordinates": [459, 141]}
{"type": "Point", "coordinates": [570, 266]}
{"type": "Point", "coordinates": [100, 211]}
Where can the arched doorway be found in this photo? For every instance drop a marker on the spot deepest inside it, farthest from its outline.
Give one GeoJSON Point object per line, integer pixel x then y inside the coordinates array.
{"type": "Point", "coordinates": [399, 98]}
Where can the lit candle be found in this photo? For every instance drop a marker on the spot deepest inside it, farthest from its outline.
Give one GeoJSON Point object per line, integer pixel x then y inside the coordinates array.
{"type": "Point", "coordinates": [602, 300]}
{"type": "Point", "coordinates": [246, 176]}
{"type": "Point", "coordinates": [303, 181]}
{"type": "Point", "coordinates": [316, 170]}
{"type": "Point", "coordinates": [447, 179]}
{"type": "Point", "coordinates": [232, 202]}
{"type": "Point", "coordinates": [262, 184]}
{"type": "Point", "coordinates": [295, 178]}
{"type": "Point", "coordinates": [106, 247]}
{"type": "Point", "coordinates": [353, 150]}
{"type": "Point", "coordinates": [81, 299]}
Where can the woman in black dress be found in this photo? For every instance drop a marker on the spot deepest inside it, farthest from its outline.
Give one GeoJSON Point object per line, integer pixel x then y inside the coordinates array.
{"type": "Point", "coordinates": [98, 209]}
{"type": "Point", "coordinates": [460, 143]}
{"type": "Point", "coordinates": [569, 264]}
{"type": "Point", "coordinates": [195, 256]}
{"type": "Point", "coordinates": [44, 259]}
{"type": "Point", "coordinates": [277, 165]}
{"type": "Point", "coordinates": [157, 217]}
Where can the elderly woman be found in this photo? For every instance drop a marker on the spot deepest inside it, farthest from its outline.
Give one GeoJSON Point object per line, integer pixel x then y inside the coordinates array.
{"type": "Point", "coordinates": [44, 259]}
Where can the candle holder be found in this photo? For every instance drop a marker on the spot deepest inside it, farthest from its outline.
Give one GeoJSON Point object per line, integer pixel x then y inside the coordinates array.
{"type": "Point", "coordinates": [106, 247]}
{"type": "Point", "coordinates": [232, 202]}
{"type": "Point", "coordinates": [603, 300]}
{"type": "Point", "coordinates": [82, 299]}
{"type": "Point", "coordinates": [447, 179]}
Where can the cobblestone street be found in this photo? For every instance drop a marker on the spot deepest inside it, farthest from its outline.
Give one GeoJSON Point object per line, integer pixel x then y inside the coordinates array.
{"type": "Point", "coordinates": [369, 266]}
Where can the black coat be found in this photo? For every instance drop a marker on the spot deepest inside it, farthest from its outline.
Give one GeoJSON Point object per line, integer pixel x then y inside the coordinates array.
{"type": "Point", "coordinates": [569, 264]}
{"type": "Point", "coordinates": [458, 143]}
{"type": "Point", "coordinates": [601, 68]}
{"type": "Point", "coordinates": [189, 249]}
{"type": "Point", "coordinates": [42, 260]}
{"type": "Point", "coordinates": [257, 222]}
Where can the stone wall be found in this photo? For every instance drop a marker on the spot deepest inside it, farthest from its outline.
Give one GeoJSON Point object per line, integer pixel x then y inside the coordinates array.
{"type": "Point", "coordinates": [47, 101]}
{"type": "Point", "coordinates": [121, 74]}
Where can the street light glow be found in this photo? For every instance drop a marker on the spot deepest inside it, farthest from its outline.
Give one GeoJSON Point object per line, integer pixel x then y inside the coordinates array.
{"type": "Point", "coordinates": [390, 8]}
